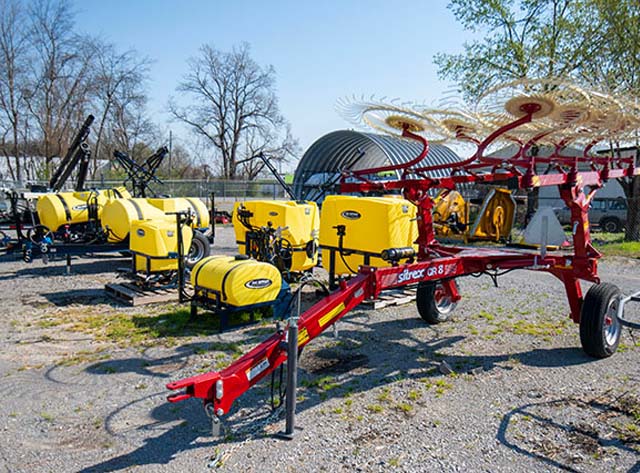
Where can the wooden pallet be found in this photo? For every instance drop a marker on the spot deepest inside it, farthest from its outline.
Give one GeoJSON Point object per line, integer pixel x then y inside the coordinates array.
{"type": "Point", "coordinates": [391, 298]}
{"type": "Point", "coordinates": [134, 295]}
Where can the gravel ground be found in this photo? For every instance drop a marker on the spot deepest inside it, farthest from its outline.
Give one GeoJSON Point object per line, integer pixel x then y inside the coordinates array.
{"type": "Point", "coordinates": [81, 393]}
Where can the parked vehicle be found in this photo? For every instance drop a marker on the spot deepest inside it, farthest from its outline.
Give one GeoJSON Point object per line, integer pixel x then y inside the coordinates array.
{"type": "Point", "coordinates": [610, 214]}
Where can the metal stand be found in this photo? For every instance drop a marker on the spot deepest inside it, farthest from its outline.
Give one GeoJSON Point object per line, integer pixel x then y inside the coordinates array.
{"type": "Point", "coordinates": [68, 264]}
{"type": "Point", "coordinates": [292, 375]}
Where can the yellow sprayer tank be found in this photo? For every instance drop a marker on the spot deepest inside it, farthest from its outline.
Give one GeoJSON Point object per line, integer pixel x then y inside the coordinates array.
{"type": "Point", "coordinates": [372, 224]}
{"type": "Point", "coordinates": [300, 222]}
{"type": "Point", "coordinates": [157, 239]}
{"type": "Point", "coordinates": [69, 208]}
{"type": "Point", "coordinates": [179, 204]}
{"type": "Point", "coordinates": [117, 216]}
{"type": "Point", "coordinates": [237, 281]}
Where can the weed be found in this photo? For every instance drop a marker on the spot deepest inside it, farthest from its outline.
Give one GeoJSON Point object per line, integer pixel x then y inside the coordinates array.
{"type": "Point", "coordinates": [84, 356]}
{"type": "Point", "coordinates": [375, 408]}
{"type": "Point", "coordinates": [47, 417]}
{"type": "Point", "coordinates": [404, 407]}
{"type": "Point", "coordinates": [385, 395]}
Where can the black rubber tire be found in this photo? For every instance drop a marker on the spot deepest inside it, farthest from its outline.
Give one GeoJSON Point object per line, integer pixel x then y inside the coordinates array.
{"type": "Point", "coordinates": [611, 225]}
{"type": "Point", "coordinates": [599, 326]}
{"type": "Point", "coordinates": [429, 309]}
{"type": "Point", "coordinates": [200, 248]}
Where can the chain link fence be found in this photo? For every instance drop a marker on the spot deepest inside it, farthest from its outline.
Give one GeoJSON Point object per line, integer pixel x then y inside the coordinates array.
{"type": "Point", "coordinates": [224, 189]}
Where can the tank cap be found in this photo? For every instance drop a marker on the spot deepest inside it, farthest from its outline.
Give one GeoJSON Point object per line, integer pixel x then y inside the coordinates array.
{"type": "Point", "coordinates": [241, 257]}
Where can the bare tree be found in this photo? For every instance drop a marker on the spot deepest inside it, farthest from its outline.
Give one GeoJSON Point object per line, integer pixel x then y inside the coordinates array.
{"type": "Point", "coordinates": [231, 95]}
{"type": "Point", "coordinates": [14, 49]}
{"type": "Point", "coordinates": [60, 86]}
{"type": "Point", "coordinates": [275, 147]}
{"type": "Point", "coordinates": [118, 84]}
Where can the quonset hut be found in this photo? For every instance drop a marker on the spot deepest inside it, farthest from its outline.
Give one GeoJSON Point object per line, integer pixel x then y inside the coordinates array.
{"type": "Point", "coordinates": [318, 173]}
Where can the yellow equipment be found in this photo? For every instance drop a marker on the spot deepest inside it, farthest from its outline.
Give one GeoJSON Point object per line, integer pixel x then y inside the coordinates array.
{"type": "Point", "coordinates": [496, 216]}
{"type": "Point", "coordinates": [117, 216]}
{"type": "Point", "coordinates": [69, 208]}
{"type": "Point", "coordinates": [235, 281]}
{"type": "Point", "coordinates": [291, 226]}
{"type": "Point", "coordinates": [178, 204]}
{"type": "Point", "coordinates": [154, 244]}
{"type": "Point", "coordinates": [450, 213]}
{"type": "Point", "coordinates": [368, 225]}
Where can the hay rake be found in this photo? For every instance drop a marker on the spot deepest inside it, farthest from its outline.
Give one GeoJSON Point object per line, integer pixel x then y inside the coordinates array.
{"type": "Point", "coordinates": [526, 113]}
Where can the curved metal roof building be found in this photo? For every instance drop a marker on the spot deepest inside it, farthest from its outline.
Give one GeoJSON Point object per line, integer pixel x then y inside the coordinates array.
{"type": "Point", "coordinates": [318, 172]}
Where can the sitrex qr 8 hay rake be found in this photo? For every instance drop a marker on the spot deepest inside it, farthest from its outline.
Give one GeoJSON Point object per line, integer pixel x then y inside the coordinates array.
{"type": "Point", "coordinates": [526, 113]}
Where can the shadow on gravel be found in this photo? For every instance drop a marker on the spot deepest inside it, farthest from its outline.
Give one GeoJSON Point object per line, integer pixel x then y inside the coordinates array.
{"type": "Point", "coordinates": [163, 367]}
{"type": "Point", "coordinates": [567, 433]}
{"type": "Point", "coordinates": [359, 360]}
{"type": "Point", "coordinates": [81, 296]}
{"type": "Point", "coordinates": [103, 264]}
{"type": "Point", "coordinates": [191, 433]}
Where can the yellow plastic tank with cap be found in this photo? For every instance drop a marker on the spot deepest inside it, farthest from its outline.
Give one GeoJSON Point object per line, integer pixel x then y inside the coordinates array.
{"type": "Point", "coordinates": [118, 214]}
{"type": "Point", "coordinates": [69, 208]}
{"type": "Point", "coordinates": [179, 204]}
{"type": "Point", "coordinates": [236, 281]}
{"type": "Point", "coordinates": [155, 241]}
{"type": "Point", "coordinates": [371, 225]}
{"type": "Point", "coordinates": [299, 223]}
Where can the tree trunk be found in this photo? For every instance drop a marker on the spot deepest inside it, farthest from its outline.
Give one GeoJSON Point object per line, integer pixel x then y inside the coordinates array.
{"type": "Point", "coordinates": [632, 192]}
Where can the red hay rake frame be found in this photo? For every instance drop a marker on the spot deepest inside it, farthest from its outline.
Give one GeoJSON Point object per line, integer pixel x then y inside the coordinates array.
{"type": "Point", "coordinates": [435, 261]}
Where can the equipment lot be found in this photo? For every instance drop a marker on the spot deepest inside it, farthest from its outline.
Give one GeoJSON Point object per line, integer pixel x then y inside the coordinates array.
{"type": "Point", "coordinates": [82, 383]}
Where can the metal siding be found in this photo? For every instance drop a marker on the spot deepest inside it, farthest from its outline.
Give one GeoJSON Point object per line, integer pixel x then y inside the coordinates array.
{"type": "Point", "coordinates": [331, 152]}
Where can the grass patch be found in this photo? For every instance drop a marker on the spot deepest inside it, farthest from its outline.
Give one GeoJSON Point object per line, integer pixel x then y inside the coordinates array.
{"type": "Point", "coordinates": [486, 315]}
{"type": "Point", "coordinates": [613, 244]}
{"type": "Point", "coordinates": [536, 329]}
{"type": "Point", "coordinates": [375, 408]}
{"type": "Point", "coordinates": [630, 249]}
{"type": "Point", "coordinates": [84, 356]}
{"type": "Point", "coordinates": [404, 407]}
{"type": "Point", "coordinates": [132, 329]}
{"type": "Point", "coordinates": [326, 383]}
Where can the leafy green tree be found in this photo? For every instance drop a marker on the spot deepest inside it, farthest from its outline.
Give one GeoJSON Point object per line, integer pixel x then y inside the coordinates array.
{"type": "Point", "coordinates": [596, 42]}
{"type": "Point", "coordinates": [527, 38]}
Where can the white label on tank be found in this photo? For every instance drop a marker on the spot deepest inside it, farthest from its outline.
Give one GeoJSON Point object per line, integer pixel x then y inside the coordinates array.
{"type": "Point", "coordinates": [80, 207]}
{"type": "Point", "coordinates": [258, 283]}
{"type": "Point", "coordinates": [351, 214]}
{"type": "Point", "coordinates": [256, 370]}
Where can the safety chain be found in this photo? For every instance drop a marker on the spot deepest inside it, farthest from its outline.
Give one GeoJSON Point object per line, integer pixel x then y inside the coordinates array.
{"type": "Point", "coordinates": [221, 457]}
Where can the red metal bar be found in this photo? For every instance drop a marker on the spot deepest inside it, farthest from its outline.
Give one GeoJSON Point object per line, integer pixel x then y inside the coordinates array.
{"type": "Point", "coordinates": [395, 167]}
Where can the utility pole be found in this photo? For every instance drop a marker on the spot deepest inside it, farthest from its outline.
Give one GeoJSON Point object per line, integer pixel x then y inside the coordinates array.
{"type": "Point", "coordinates": [170, 149]}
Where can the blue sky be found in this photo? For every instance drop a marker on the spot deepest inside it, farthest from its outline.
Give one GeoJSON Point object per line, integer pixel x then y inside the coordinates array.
{"type": "Point", "coordinates": [321, 51]}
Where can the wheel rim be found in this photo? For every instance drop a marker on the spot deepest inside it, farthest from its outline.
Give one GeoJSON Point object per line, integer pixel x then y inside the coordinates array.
{"type": "Point", "coordinates": [610, 226]}
{"type": "Point", "coordinates": [196, 252]}
{"type": "Point", "coordinates": [444, 303]}
{"type": "Point", "coordinates": [611, 323]}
